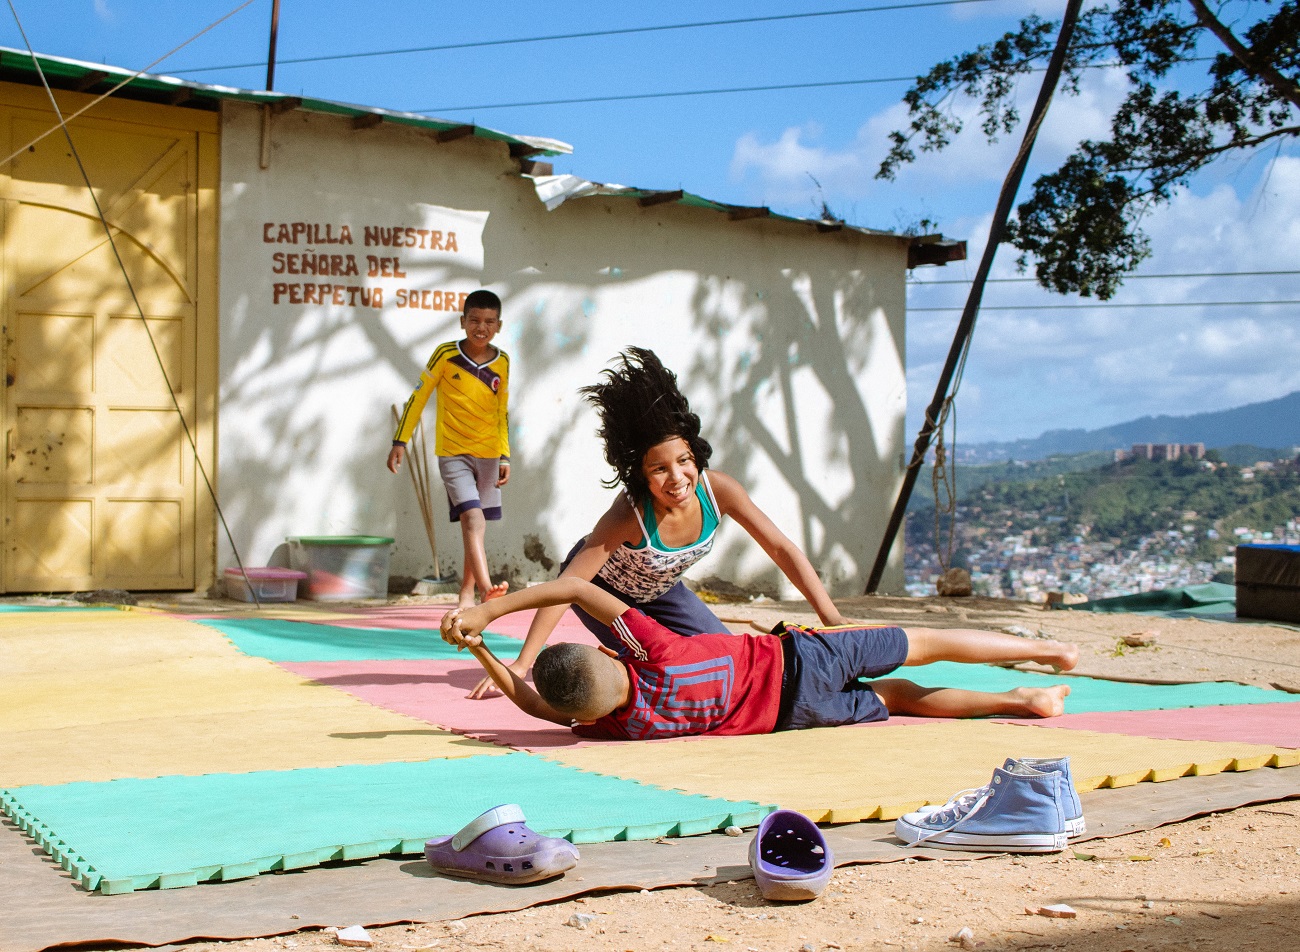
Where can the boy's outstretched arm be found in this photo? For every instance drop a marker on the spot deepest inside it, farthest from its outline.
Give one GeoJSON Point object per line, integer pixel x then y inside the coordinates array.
{"type": "Point", "coordinates": [511, 684]}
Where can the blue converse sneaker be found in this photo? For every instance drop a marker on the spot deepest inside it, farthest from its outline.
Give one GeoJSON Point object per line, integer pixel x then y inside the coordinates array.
{"type": "Point", "coordinates": [1071, 808]}
{"type": "Point", "coordinates": [1018, 811]}
{"type": "Point", "coordinates": [1075, 825]}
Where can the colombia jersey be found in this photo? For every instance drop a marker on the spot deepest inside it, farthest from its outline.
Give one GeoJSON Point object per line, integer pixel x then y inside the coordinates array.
{"type": "Point", "coordinates": [472, 418]}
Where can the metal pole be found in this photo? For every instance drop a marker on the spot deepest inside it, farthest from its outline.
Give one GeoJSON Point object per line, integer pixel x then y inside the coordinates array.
{"type": "Point", "coordinates": [997, 232]}
{"type": "Point", "coordinates": [270, 56]}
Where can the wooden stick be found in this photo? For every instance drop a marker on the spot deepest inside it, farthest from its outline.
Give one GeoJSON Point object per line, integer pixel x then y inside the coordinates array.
{"type": "Point", "coordinates": [419, 484]}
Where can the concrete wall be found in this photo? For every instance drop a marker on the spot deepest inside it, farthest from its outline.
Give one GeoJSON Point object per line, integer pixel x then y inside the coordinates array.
{"type": "Point", "coordinates": [788, 342]}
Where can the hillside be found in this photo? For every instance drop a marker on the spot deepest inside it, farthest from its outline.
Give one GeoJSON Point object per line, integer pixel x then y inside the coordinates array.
{"type": "Point", "coordinates": [1272, 423]}
{"type": "Point", "coordinates": [1108, 530]}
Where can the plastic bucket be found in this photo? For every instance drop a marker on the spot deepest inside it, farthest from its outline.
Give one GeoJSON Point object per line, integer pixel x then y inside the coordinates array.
{"type": "Point", "coordinates": [271, 584]}
{"type": "Point", "coordinates": [340, 567]}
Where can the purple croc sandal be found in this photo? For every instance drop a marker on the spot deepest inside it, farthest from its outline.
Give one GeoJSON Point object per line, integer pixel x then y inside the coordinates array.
{"type": "Point", "coordinates": [790, 857]}
{"type": "Point", "coordinates": [497, 847]}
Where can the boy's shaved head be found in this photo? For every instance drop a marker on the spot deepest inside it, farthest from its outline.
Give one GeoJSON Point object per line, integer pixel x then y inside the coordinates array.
{"type": "Point", "coordinates": [482, 298]}
{"type": "Point", "coordinates": [578, 681]}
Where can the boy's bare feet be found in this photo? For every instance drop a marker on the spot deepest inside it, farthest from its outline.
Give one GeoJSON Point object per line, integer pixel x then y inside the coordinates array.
{"type": "Point", "coordinates": [1061, 655]}
{"type": "Point", "coordinates": [496, 591]}
{"type": "Point", "coordinates": [1042, 702]}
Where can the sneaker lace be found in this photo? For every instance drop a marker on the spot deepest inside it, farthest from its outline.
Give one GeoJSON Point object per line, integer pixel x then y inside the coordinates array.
{"type": "Point", "coordinates": [960, 808]}
{"type": "Point", "coordinates": [961, 803]}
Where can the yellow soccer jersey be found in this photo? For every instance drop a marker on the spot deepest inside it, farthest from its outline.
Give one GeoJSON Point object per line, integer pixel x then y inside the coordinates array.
{"type": "Point", "coordinates": [472, 418]}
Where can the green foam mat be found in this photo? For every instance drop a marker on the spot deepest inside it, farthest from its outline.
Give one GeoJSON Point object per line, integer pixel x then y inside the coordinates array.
{"type": "Point", "coordinates": [122, 835]}
{"type": "Point", "coordinates": [280, 640]}
{"type": "Point", "coordinates": [56, 608]}
{"type": "Point", "coordinates": [1092, 695]}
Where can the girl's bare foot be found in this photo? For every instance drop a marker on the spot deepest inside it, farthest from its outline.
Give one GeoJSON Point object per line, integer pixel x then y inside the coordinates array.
{"type": "Point", "coordinates": [496, 591]}
{"type": "Point", "coordinates": [1042, 702]}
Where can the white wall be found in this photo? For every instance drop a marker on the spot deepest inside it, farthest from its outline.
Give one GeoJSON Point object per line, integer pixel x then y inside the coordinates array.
{"type": "Point", "coordinates": [788, 342]}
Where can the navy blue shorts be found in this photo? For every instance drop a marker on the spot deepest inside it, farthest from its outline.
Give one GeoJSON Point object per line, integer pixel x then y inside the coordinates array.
{"type": "Point", "coordinates": [678, 609]}
{"type": "Point", "coordinates": [820, 687]}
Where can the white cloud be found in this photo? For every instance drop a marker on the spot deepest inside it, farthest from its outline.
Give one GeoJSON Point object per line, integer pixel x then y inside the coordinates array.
{"type": "Point", "coordinates": [102, 10]}
{"type": "Point", "coordinates": [1054, 369]}
{"type": "Point", "coordinates": [779, 170]}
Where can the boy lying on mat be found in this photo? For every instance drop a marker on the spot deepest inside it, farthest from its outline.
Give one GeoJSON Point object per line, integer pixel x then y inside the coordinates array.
{"type": "Point", "coordinates": [660, 684]}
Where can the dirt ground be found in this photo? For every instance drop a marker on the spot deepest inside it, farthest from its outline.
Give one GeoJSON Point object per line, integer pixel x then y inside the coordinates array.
{"type": "Point", "coordinates": [1224, 881]}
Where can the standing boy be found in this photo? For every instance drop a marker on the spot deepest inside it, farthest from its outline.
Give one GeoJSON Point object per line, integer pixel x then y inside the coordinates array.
{"type": "Point", "coordinates": [473, 442]}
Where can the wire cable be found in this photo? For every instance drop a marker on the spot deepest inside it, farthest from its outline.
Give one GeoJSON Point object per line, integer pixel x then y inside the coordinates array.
{"type": "Point", "coordinates": [126, 277]}
{"type": "Point", "coordinates": [592, 34]}
{"type": "Point", "coordinates": [1130, 277]}
{"type": "Point", "coordinates": [1108, 304]}
{"type": "Point", "coordinates": [98, 99]}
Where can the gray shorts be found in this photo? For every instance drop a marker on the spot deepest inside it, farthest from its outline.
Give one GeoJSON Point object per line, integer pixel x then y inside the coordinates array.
{"type": "Point", "coordinates": [471, 483]}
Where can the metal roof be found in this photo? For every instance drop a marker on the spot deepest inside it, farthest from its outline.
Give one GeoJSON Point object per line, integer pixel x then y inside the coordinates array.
{"type": "Point", "coordinates": [68, 74]}
{"type": "Point", "coordinates": [17, 66]}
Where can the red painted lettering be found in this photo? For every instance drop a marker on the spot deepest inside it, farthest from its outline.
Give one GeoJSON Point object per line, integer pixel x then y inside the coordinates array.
{"type": "Point", "coordinates": [278, 290]}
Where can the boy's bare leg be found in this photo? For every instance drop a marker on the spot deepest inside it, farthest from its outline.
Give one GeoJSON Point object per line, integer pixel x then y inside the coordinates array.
{"type": "Point", "coordinates": [976, 646]}
{"type": "Point", "coordinates": [905, 697]}
{"type": "Point", "coordinates": [473, 531]}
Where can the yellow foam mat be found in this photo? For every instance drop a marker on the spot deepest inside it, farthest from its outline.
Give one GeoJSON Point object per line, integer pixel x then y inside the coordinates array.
{"type": "Point", "coordinates": [102, 695]}
{"type": "Point", "coordinates": [841, 775]}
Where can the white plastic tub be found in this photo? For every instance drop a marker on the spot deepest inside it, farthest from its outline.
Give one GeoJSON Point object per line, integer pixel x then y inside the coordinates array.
{"type": "Point", "coordinates": [340, 567]}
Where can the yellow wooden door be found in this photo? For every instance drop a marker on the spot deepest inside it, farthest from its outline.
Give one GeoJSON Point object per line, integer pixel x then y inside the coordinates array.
{"type": "Point", "coordinates": [103, 375]}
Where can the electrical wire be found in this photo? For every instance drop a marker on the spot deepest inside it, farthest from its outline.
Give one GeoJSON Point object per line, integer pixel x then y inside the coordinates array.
{"type": "Point", "coordinates": [592, 34]}
{"type": "Point", "coordinates": [98, 99]}
{"type": "Point", "coordinates": [1130, 277]}
{"type": "Point", "coordinates": [130, 285]}
{"type": "Point", "coordinates": [1108, 304]}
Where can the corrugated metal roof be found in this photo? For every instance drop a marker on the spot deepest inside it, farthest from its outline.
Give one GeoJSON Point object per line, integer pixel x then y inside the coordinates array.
{"type": "Point", "coordinates": [17, 66]}
{"type": "Point", "coordinates": [553, 190]}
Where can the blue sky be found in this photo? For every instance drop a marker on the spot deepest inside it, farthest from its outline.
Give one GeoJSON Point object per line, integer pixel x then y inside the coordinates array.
{"type": "Point", "coordinates": [1035, 368]}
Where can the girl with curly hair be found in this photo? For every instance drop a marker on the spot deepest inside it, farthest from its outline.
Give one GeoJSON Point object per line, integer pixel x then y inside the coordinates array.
{"type": "Point", "coordinates": [666, 517]}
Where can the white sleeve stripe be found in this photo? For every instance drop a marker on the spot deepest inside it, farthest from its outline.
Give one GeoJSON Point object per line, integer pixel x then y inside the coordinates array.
{"type": "Point", "coordinates": [629, 639]}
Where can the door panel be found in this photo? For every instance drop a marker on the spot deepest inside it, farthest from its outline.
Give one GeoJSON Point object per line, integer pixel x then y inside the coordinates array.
{"type": "Point", "coordinates": [100, 488]}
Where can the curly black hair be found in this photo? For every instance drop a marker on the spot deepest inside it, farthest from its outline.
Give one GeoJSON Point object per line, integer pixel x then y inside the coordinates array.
{"type": "Point", "coordinates": [640, 407]}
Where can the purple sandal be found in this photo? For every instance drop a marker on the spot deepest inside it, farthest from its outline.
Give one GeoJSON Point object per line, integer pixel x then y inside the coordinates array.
{"type": "Point", "coordinates": [497, 847]}
{"type": "Point", "coordinates": [790, 857]}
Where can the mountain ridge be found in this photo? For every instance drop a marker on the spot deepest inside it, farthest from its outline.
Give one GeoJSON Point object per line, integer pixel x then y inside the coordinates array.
{"type": "Point", "coordinates": [1268, 423]}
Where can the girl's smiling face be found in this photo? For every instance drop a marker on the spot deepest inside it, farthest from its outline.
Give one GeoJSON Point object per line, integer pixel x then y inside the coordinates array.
{"type": "Point", "coordinates": [670, 472]}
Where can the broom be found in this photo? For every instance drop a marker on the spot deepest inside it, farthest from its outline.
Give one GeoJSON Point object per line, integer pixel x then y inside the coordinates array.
{"type": "Point", "coordinates": [418, 465]}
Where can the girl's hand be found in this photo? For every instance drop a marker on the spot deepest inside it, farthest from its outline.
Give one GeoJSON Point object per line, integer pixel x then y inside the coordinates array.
{"type": "Point", "coordinates": [462, 627]}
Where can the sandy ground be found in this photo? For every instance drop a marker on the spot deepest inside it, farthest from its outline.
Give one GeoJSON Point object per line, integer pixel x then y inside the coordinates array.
{"type": "Point", "coordinates": [1224, 881]}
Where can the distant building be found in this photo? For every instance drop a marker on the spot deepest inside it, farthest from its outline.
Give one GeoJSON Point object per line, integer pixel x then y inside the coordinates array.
{"type": "Point", "coordinates": [1161, 451]}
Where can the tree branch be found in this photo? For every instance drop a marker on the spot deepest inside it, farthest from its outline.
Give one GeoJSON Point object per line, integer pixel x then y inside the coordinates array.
{"type": "Point", "coordinates": [1279, 83]}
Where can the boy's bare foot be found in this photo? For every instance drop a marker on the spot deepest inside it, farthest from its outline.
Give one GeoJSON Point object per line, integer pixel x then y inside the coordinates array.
{"type": "Point", "coordinates": [465, 601]}
{"type": "Point", "coordinates": [496, 591]}
{"type": "Point", "coordinates": [1042, 702]}
{"type": "Point", "coordinates": [1061, 655]}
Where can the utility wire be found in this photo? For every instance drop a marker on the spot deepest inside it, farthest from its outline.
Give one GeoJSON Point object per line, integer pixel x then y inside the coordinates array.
{"type": "Point", "coordinates": [1108, 304]}
{"type": "Point", "coordinates": [668, 95]}
{"type": "Point", "coordinates": [590, 34]}
{"type": "Point", "coordinates": [1129, 277]}
{"type": "Point", "coordinates": [130, 286]}
{"type": "Point", "coordinates": [98, 99]}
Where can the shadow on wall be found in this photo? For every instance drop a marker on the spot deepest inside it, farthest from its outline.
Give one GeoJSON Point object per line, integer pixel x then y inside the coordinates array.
{"type": "Point", "coordinates": [561, 275]}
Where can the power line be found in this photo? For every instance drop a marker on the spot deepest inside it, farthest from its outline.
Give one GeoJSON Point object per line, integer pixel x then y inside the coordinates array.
{"type": "Point", "coordinates": [1129, 277]}
{"type": "Point", "coordinates": [1080, 307]}
{"type": "Point", "coordinates": [668, 95]}
{"type": "Point", "coordinates": [589, 34]}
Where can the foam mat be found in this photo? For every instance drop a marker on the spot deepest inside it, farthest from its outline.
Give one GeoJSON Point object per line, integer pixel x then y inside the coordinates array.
{"type": "Point", "coordinates": [178, 831]}
{"type": "Point", "coordinates": [844, 774]}
{"type": "Point", "coordinates": [281, 640]}
{"type": "Point", "coordinates": [435, 692]}
{"type": "Point", "coordinates": [1093, 694]}
{"type": "Point", "coordinates": [1277, 725]}
{"type": "Point", "coordinates": [94, 695]}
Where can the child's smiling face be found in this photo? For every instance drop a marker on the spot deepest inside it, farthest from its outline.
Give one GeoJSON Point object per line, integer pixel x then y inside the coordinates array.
{"type": "Point", "coordinates": [480, 325]}
{"type": "Point", "coordinates": [670, 472]}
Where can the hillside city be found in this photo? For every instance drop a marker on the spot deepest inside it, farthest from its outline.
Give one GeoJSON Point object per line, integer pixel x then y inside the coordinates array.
{"type": "Point", "coordinates": [1023, 554]}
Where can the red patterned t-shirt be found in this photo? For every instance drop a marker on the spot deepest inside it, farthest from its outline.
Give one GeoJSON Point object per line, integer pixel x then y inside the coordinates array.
{"type": "Point", "coordinates": [706, 684]}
